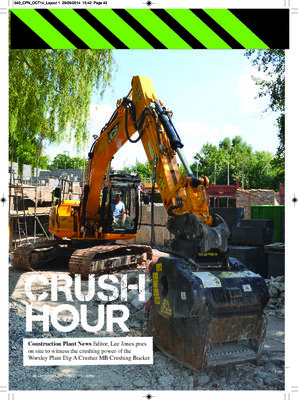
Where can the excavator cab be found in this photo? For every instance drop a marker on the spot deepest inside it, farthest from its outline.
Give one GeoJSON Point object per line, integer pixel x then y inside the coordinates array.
{"type": "Point", "coordinates": [121, 204]}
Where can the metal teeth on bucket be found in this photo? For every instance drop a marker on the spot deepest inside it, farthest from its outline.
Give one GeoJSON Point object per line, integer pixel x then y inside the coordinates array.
{"type": "Point", "coordinates": [230, 353]}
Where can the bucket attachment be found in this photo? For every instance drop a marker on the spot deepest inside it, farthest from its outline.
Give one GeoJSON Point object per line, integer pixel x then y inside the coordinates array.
{"type": "Point", "coordinates": [207, 318]}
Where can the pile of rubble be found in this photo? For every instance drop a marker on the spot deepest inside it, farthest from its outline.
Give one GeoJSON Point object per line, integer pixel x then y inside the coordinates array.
{"type": "Point", "coordinates": [276, 288]}
{"type": "Point", "coordinates": [164, 374]}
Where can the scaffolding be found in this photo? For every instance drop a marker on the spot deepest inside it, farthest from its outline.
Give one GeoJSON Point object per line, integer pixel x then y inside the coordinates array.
{"type": "Point", "coordinates": [25, 220]}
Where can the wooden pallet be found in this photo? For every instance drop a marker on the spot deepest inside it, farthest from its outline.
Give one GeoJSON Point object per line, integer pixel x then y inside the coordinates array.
{"type": "Point", "coordinates": [274, 248]}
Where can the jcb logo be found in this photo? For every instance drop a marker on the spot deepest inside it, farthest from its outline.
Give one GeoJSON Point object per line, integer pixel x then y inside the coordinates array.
{"type": "Point", "coordinates": [161, 182]}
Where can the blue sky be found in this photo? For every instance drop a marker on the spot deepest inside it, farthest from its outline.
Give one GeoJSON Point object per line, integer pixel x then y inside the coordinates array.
{"type": "Point", "coordinates": [210, 92]}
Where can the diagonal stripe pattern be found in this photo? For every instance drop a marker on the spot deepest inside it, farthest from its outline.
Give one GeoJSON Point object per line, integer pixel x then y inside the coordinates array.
{"type": "Point", "coordinates": [236, 29]}
{"type": "Point", "coordinates": [146, 28]}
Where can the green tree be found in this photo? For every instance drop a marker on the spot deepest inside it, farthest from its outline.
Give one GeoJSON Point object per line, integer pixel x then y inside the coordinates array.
{"type": "Point", "coordinates": [235, 157]}
{"type": "Point", "coordinates": [260, 172]}
{"type": "Point", "coordinates": [143, 170]}
{"type": "Point", "coordinates": [49, 96]}
{"type": "Point", "coordinates": [206, 162]}
{"type": "Point", "coordinates": [214, 161]}
{"type": "Point", "coordinates": [241, 155]}
{"type": "Point", "coordinates": [230, 158]}
{"type": "Point", "coordinates": [64, 161]}
{"type": "Point", "coordinates": [272, 63]}
{"type": "Point", "coordinates": [44, 162]}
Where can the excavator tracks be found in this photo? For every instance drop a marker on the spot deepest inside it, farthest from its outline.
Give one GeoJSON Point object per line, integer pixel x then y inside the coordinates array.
{"type": "Point", "coordinates": [107, 258]}
{"type": "Point", "coordinates": [92, 260]}
{"type": "Point", "coordinates": [28, 256]}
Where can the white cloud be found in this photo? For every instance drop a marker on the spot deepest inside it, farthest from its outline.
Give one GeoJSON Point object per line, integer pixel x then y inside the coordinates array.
{"type": "Point", "coordinates": [101, 112]}
{"type": "Point", "coordinates": [128, 155]}
{"type": "Point", "coordinates": [247, 91]}
{"type": "Point", "coordinates": [231, 131]}
{"type": "Point", "coordinates": [194, 134]}
{"type": "Point", "coordinates": [99, 116]}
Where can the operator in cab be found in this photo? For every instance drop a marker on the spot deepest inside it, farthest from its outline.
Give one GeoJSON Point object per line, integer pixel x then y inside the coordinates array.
{"type": "Point", "coordinates": [119, 211]}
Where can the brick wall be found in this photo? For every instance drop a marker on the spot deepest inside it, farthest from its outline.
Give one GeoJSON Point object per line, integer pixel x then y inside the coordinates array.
{"type": "Point", "coordinates": [277, 197]}
{"type": "Point", "coordinates": [255, 197]}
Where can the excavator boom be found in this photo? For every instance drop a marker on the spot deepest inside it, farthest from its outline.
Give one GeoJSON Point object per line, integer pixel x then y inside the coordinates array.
{"type": "Point", "coordinates": [141, 111]}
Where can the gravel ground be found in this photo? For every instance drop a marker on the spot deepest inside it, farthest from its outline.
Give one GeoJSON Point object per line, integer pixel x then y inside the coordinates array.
{"type": "Point", "coordinates": [164, 374]}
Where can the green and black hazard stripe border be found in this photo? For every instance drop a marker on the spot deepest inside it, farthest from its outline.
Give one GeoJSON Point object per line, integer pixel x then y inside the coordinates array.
{"type": "Point", "coordinates": [149, 28]}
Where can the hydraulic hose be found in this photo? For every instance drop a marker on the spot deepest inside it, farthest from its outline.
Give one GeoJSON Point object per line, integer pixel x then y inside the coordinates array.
{"type": "Point", "coordinates": [153, 239]}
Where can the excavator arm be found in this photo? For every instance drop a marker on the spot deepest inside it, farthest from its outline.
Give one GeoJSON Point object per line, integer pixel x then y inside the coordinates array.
{"type": "Point", "coordinates": [183, 195]}
{"type": "Point", "coordinates": [141, 111]}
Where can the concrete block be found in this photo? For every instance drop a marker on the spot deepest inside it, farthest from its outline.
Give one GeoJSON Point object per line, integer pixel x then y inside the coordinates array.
{"type": "Point", "coordinates": [159, 235]}
{"type": "Point", "coordinates": [276, 264]}
{"type": "Point", "coordinates": [262, 265]}
{"type": "Point", "coordinates": [250, 235]}
{"type": "Point", "coordinates": [244, 253]}
{"type": "Point", "coordinates": [266, 224]}
{"type": "Point", "coordinates": [146, 214]}
{"type": "Point", "coordinates": [160, 215]}
{"type": "Point", "coordinates": [162, 235]}
{"type": "Point", "coordinates": [253, 258]}
{"type": "Point", "coordinates": [232, 216]}
{"type": "Point", "coordinates": [144, 234]}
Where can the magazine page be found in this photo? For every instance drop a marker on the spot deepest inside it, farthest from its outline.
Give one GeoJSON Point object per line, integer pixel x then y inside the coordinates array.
{"type": "Point", "coordinates": [150, 198]}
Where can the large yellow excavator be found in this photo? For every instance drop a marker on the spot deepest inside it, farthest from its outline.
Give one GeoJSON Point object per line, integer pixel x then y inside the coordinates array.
{"type": "Point", "coordinates": [207, 308]}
